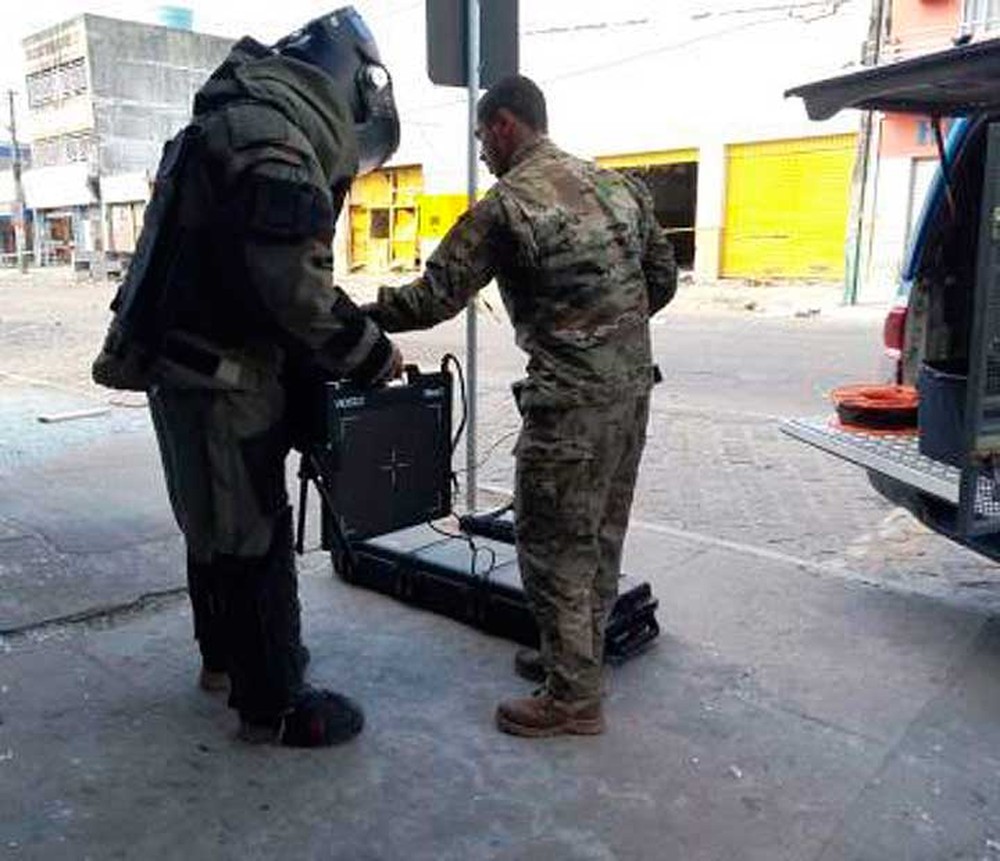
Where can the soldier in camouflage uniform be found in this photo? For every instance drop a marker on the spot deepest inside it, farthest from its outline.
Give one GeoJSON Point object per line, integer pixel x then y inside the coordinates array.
{"type": "Point", "coordinates": [581, 264]}
{"type": "Point", "coordinates": [277, 136]}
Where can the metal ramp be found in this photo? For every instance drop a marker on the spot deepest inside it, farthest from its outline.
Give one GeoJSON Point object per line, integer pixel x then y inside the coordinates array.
{"type": "Point", "coordinates": [894, 455]}
{"type": "Point", "coordinates": [897, 456]}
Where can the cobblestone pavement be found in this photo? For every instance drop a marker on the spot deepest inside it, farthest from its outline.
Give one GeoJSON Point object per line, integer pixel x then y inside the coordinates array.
{"type": "Point", "coordinates": [716, 466]}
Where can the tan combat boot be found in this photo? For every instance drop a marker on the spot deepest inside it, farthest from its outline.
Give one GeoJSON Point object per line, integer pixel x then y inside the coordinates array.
{"type": "Point", "coordinates": [542, 716]}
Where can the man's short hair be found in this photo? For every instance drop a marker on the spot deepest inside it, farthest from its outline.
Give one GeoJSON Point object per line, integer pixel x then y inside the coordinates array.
{"type": "Point", "coordinates": [519, 95]}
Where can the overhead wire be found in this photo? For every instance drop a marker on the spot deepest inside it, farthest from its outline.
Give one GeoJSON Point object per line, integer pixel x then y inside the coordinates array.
{"type": "Point", "coordinates": [775, 7]}
{"type": "Point", "coordinates": [640, 55]}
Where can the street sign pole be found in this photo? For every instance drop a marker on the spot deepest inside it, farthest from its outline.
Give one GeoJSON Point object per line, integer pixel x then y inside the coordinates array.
{"type": "Point", "coordinates": [471, 44]}
{"type": "Point", "coordinates": [472, 22]}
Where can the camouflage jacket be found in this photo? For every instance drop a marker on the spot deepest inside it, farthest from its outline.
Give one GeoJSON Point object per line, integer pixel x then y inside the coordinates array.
{"type": "Point", "coordinates": [276, 152]}
{"type": "Point", "coordinates": [577, 254]}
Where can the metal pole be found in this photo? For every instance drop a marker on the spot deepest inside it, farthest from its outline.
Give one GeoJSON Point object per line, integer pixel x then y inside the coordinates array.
{"type": "Point", "coordinates": [22, 260]}
{"type": "Point", "coordinates": [862, 166]}
{"type": "Point", "coordinates": [472, 19]}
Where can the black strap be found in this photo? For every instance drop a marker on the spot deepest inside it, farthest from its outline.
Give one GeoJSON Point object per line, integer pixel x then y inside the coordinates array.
{"type": "Point", "coordinates": [375, 363]}
{"type": "Point", "coordinates": [191, 356]}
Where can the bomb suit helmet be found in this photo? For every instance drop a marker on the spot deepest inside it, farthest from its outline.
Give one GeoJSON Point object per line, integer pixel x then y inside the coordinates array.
{"type": "Point", "coordinates": [341, 45]}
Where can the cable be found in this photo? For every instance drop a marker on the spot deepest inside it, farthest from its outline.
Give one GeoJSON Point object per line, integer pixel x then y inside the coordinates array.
{"type": "Point", "coordinates": [485, 576]}
{"type": "Point", "coordinates": [492, 447]}
{"type": "Point", "coordinates": [444, 532]}
{"type": "Point", "coordinates": [776, 7]}
{"type": "Point", "coordinates": [450, 358]}
{"type": "Point", "coordinates": [663, 49]}
{"type": "Point", "coordinates": [598, 25]}
{"type": "Point", "coordinates": [446, 359]}
{"type": "Point", "coordinates": [474, 549]}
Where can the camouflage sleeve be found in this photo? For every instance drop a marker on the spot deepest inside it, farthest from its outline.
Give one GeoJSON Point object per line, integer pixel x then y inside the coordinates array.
{"type": "Point", "coordinates": [290, 263]}
{"type": "Point", "coordinates": [658, 264]}
{"type": "Point", "coordinates": [464, 263]}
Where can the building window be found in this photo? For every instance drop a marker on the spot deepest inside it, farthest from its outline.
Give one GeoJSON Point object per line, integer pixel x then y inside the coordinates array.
{"type": "Point", "coordinates": [7, 156]}
{"type": "Point", "coordinates": [64, 149]}
{"type": "Point", "coordinates": [980, 16]}
{"type": "Point", "coordinates": [380, 224]}
{"type": "Point", "coordinates": [57, 83]}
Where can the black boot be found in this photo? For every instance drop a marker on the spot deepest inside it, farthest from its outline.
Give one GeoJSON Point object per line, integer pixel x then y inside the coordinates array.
{"type": "Point", "coordinates": [316, 718]}
{"type": "Point", "coordinates": [207, 611]}
{"type": "Point", "coordinates": [282, 547]}
{"type": "Point", "coordinates": [267, 660]}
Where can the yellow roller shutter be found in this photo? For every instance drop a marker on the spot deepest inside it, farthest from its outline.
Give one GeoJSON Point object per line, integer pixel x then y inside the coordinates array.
{"type": "Point", "coordinates": [409, 183]}
{"type": "Point", "coordinates": [648, 159]}
{"type": "Point", "coordinates": [786, 208]}
{"type": "Point", "coordinates": [438, 212]}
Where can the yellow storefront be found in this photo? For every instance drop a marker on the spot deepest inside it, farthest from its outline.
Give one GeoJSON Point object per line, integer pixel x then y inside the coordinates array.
{"type": "Point", "coordinates": [786, 208]}
{"type": "Point", "coordinates": [672, 179]}
{"type": "Point", "coordinates": [384, 219]}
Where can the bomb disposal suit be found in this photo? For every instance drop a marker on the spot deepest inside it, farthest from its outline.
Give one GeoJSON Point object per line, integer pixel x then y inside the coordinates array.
{"type": "Point", "coordinates": [231, 287]}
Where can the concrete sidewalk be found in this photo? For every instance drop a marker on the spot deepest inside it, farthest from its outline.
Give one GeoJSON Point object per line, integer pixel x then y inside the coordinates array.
{"type": "Point", "coordinates": [786, 713]}
{"type": "Point", "coordinates": [792, 709]}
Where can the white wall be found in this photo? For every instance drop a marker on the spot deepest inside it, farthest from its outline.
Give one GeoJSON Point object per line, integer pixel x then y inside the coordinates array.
{"type": "Point", "coordinates": [125, 187]}
{"type": "Point", "coordinates": [640, 75]}
{"type": "Point", "coordinates": [885, 235]}
{"type": "Point", "coordinates": [627, 76]}
{"type": "Point", "coordinates": [637, 75]}
{"type": "Point", "coordinates": [59, 186]}
{"type": "Point", "coordinates": [73, 114]}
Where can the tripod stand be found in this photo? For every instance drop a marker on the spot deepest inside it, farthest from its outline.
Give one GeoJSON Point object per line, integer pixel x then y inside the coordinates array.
{"type": "Point", "coordinates": [315, 464]}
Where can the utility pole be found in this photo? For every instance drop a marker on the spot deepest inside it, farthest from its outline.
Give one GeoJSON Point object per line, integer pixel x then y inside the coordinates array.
{"type": "Point", "coordinates": [862, 163]}
{"type": "Point", "coordinates": [22, 260]}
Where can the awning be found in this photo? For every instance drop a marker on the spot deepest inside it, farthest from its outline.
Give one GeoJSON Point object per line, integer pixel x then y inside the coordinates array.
{"type": "Point", "coordinates": [58, 186]}
{"type": "Point", "coordinates": [957, 82]}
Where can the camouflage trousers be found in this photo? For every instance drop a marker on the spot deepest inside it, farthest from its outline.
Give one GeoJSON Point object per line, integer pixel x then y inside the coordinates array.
{"type": "Point", "coordinates": [575, 476]}
{"type": "Point", "coordinates": [223, 457]}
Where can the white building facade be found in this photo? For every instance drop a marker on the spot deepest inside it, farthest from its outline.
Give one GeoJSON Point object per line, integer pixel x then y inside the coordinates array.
{"type": "Point", "coordinates": [103, 95]}
{"type": "Point", "coordinates": [689, 93]}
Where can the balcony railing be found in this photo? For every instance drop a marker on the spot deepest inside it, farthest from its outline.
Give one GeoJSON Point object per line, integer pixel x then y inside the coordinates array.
{"type": "Point", "coordinates": [980, 16]}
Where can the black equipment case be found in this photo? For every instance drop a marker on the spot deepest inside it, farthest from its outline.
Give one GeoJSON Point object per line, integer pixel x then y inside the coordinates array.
{"type": "Point", "coordinates": [477, 580]}
{"type": "Point", "coordinates": [380, 459]}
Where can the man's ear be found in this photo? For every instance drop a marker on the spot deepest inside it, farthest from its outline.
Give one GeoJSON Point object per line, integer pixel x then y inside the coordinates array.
{"type": "Point", "coordinates": [506, 121]}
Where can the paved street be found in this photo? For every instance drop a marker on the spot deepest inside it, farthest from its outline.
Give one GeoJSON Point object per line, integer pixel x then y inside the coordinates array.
{"type": "Point", "coordinates": [826, 686]}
